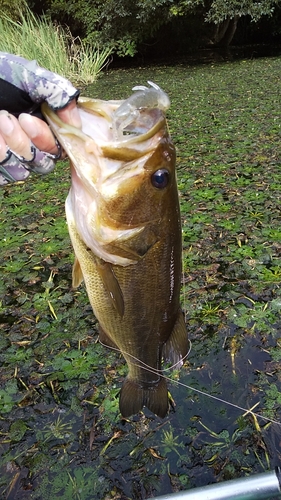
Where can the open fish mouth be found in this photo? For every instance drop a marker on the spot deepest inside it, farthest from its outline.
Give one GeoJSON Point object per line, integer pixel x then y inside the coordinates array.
{"type": "Point", "coordinates": [108, 155]}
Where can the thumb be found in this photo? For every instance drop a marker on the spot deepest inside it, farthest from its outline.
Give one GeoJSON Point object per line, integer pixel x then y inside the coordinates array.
{"type": "Point", "coordinates": [70, 114]}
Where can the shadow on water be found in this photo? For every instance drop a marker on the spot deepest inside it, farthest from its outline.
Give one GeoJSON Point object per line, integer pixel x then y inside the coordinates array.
{"type": "Point", "coordinates": [61, 434]}
{"type": "Point", "coordinates": [199, 56]}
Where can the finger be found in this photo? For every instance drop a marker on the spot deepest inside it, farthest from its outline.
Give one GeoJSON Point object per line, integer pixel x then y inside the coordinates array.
{"type": "Point", "coordinates": [14, 136]}
{"type": "Point", "coordinates": [3, 148]}
{"type": "Point", "coordinates": [70, 114]}
{"type": "Point", "coordinates": [39, 133]}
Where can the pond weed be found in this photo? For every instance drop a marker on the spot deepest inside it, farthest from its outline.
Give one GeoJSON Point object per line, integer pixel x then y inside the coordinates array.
{"type": "Point", "coordinates": [63, 386]}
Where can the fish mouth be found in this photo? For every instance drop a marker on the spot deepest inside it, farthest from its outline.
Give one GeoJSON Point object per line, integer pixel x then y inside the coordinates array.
{"type": "Point", "coordinates": [108, 158]}
{"type": "Point", "coordinates": [140, 128]}
{"type": "Point", "coordinates": [101, 160]}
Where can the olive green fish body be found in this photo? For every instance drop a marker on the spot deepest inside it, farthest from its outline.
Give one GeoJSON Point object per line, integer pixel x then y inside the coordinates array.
{"type": "Point", "coordinates": [124, 222]}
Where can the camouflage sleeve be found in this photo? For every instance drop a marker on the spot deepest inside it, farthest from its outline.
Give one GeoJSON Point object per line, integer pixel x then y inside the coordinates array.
{"type": "Point", "coordinates": [16, 168]}
{"type": "Point", "coordinates": [39, 83]}
{"type": "Point", "coordinates": [23, 87]}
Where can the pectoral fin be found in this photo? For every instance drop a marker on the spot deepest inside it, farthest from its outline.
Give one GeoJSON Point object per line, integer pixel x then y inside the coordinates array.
{"type": "Point", "coordinates": [77, 276]}
{"type": "Point", "coordinates": [111, 284]}
{"type": "Point", "coordinates": [136, 247]}
{"type": "Point", "coordinates": [177, 346]}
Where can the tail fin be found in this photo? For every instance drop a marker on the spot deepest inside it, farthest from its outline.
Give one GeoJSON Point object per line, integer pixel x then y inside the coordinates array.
{"type": "Point", "coordinates": [133, 397]}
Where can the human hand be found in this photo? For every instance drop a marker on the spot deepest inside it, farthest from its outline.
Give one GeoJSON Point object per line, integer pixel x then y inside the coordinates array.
{"type": "Point", "coordinates": [27, 143]}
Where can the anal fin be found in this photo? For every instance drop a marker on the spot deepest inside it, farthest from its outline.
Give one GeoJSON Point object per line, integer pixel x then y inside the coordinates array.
{"type": "Point", "coordinates": [177, 347]}
{"type": "Point", "coordinates": [106, 340]}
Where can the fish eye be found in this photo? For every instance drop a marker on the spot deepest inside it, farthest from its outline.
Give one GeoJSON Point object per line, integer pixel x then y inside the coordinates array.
{"type": "Point", "coordinates": [160, 178]}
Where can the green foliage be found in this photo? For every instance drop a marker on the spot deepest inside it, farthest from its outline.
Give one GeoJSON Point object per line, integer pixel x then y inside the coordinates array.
{"type": "Point", "coordinates": [183, 7]}
{"type": "Point", "coordinates": [119, 25]}
{"type": "Point", "coordinates": [122, 26]}
{"type": "Point", "coordinates": [224, 9]}
{"type": "Point", "coordinates": [9, 396]}
{"type": "Point", "coordinates": [17, 430]}
{"type": "Point", "coordinates": [219, 10]}
{"type": "Point", "coordinates": [82, 483]}
{"type": "Point", "coordinates": [170, 443]}
{"type": "Point", "coordinates": [13, 8]}
{"type": "Point", "coordinates": [52, 46]}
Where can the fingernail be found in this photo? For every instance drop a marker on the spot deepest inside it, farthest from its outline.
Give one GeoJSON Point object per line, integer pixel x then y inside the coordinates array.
{"type": "Point", "coordinates": [28, 125]}
{"type": "Point", "coordinates": [6, 123]}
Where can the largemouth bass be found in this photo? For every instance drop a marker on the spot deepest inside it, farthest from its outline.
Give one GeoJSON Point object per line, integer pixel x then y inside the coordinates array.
{"type": "Point", "coordinates": [124, 223]}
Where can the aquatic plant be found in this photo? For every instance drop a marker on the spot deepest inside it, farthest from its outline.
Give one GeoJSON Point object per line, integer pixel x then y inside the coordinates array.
{"type": "Point", "coordinates": [53, 47]}
{"type": "Point", "coordinates": [61, 432]}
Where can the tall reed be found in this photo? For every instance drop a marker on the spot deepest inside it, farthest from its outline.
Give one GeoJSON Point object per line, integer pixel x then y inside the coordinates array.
{"type": "Point", "coordinates": [52, 46]}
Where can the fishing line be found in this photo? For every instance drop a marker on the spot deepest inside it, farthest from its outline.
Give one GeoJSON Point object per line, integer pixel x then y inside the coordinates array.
{"type": "Point", "coordinates": [198, 390]}
{"type": "Point", "coordinates": [245, 410]}
{"type": "Point", "coordinates": [216, 398]}
{"type": "Point", "coordinates": [178, 364]}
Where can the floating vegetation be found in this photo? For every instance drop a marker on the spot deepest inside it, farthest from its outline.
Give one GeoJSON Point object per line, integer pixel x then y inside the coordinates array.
{"type": "Point", "coordinates": [61, 432]}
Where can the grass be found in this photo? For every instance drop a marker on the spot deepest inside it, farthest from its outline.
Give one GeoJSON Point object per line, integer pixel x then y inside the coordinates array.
{"type": "Point", "coordinates": [61, 432]}
{"type": "Point", "coordinates": [53, 47]}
